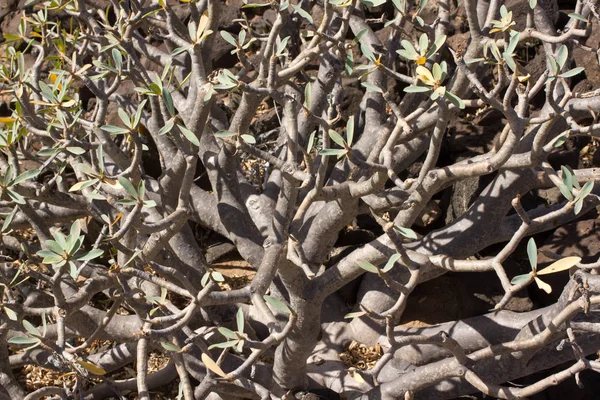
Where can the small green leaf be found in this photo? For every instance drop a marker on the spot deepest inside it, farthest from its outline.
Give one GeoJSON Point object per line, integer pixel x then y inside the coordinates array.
{"type": "Point", "coordinates": [565, 191]}
{"type": "Point", "coordinates": [308, 95]}
{"type": "Point", "coordinates": [406, 232]}
{"type": "Point", "coordinates": [532, 3]}
{"type": "Point", "coordinates": [277, 304]}
{"type": "Point", "coordinates": [578, 206]}
{"type": "Point", "coordinates": [189, 135]}
{"type": "Point", "coordinates": [228, 38]}
{"type": "Point", "coordinates": [25, 176]}
{"type": "Point", "coordinates": [578, 17]}
{"type": "Point", "coordinates": [532, 253]}
{"type": "Point", "coordinates": [454, 99]}
{"type": "Point", "coordinates": [561, 57]}
{"type": "Point", "coordinates": [115, 130]}
{"type": "Point", "coordinates": [336, 137]}
{"type": "Point", "coordinates": [520, 279]}
{"type": "Point", "coordinates": [10, 313]}
{"type": "Point", "coordinates": [225, 134]}
{"type": "Point", "coordinates": [416, 89]}
{"type": "Point", "coordinates": [239, 317]}
{"type": "Point", "coordinates": [372, 87]}
{"type": "Point", "coordinates": [23, 340]}
{"type": "Point", "coordinates": [332, 152]}
{"type": "Point", "coordinates": [303, 13]}
{"type": "Point", "coordinates": [128, 186]}
{"type": "Point", "coordinates": [561, 140]}
{"type": "Point", "coordinates": [572, 72]}
{"type": "Point", "coordinates": [248, 138]}
{"type": "Point", "coordinates": [350, 131]}
{"type": "Point", "coordinates": [170, 347]}
{"type": "Point", "coordinates": [391, 262]}
{"type": "Point", "coordinates": [224, 345]}
{"type": "Point", "coordinates": [228, 333]}
{"type": "Point", "coordinates": [585, 190]}
{"type": "Point", "coordinates": [31, 329]}
{"type": "Point", "coordinates": [16, 197]}
{"type": "Point", "coordinates": [91, 255]}
{"type": "Point", "coordinates": [367, 266]}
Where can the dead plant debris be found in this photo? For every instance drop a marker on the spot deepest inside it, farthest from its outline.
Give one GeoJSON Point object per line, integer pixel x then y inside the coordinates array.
{"type": "Point", "coordinates": [361, 356]}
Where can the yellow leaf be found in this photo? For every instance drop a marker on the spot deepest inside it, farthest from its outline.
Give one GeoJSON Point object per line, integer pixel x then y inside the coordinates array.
{"type": "Point", "coordinates": [425, 75]}
{"type": "Point", "coordinates": [210, 364]}
{"type": "Point", "coordinates": [356, 375]}
{"type": "Point", "coordinates": [494, 30]}
{"type": "Point", "coordinates": [202, 25]}
{"type": "Point", "coordinates": [560, 265]}
{"type": "Point", "coordinates": [93, 368]}
{"type": "Point", "coordinates": [7, 120]}
{"type": "Point", "coordinates": [543, 285]}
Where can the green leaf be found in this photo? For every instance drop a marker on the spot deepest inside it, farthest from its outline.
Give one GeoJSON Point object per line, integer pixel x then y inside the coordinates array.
{"type": "Point", "coordinates": [90, 255]}
{"type": "Point", "coordinates": [16, 197]}
{"type": "Point", "coordinates": [239, 318]}
{"type": "Point", "coordinates": [282, 45]}
{"type": "Point", "coordinates": [124, 118]}
{"type": "Point", "coordinates": [225, 134]}
{"type": "Point", "coordinates": [532, 3]}
{"type": "Point", "coordinates": [128, 186]}
{"type": "Point", "coordinates": [410, 50]}
{"type": "Point", "coordinates": [9, 218]}
{"type": "Point", "coordinates": [567, 177]}
{"type": "Point", "coordinates": [416, 89]}
{"type": "Point", "coordinates": [565, 191]}
{"type": "Point", "coordinates": [406, 232]}
{"type": "Point", "coordinates": [248, 138]}
{"type": "Point", "coordinates": [350, 131]}
{"type": "Point", "coordinates": [561, 140]}
{"type": "Point", "coordinates": [76, 150]}
{"type": "Point", "coordinates": [228, 38]}
{"type": "Point", "coordinates": [170, 347]}
{"type": "Point", "coordinates": [391, 262]}
{"type": "Point", "coordinates": [572, 72]}
{"type": "Point", "coordinates": [31, 329]}
{"type": "Point", "coordinates": [23, 340]}
{"type": "Point", "coordinates": [332, 152]}
{"type": "Point", "coordinates": [303, 13]}
{"type": "Point", "coordinates": [168, 127]}
{"type": "Point", "coordinates": [115, 130]}
{"type": "Point", "coordinates": [10, 313]}
{"type": "Point", "coordinates": [561, 57]}
{"type": "Point", "coordinates": [360, 35]}
{"type": "Point", "coordinates": [336, 137]}
{"type": "Point", "coordinates": [371, 87]}
{"type": "Point", "coordinates": [367, 266]}
{"type": "Point", "coordinates": [228, 333]}
{"type": "Point", "coordinates": [532, 253]}
{"type": "Point", "coordinates": [25, 176]}
{"type": "Point", "coordinates": [311, 141]}
{"type": "Point", "coordinates": [166, 95]}
{"type": "Point", "coordinates": [189, 135]}
{"type": "Point", "coordinates": [520, 279]}
{"type": "Point", "coordinates": [52, 259]}
{"type": "Point", "coordinates": [277, 304]}
{"type": "Point", "coordinates": [224, 345]}
{"type": "Point", "coordinates": [308, 95]}
{"type": "Point", "coordinates": [585, 190]}
{"type": "Point", "coordinates": [356, 314]}
{"type": "Point", "coordinates": [457, 101]}
{"type": "Point", "coordinates": [577, 16]}
{"type": "Point", "coordinates": [373, 3]}
{"type": "Point", "coordinates": [56, 247]}
{"type": "Point", "coordinates": [578, 206]}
